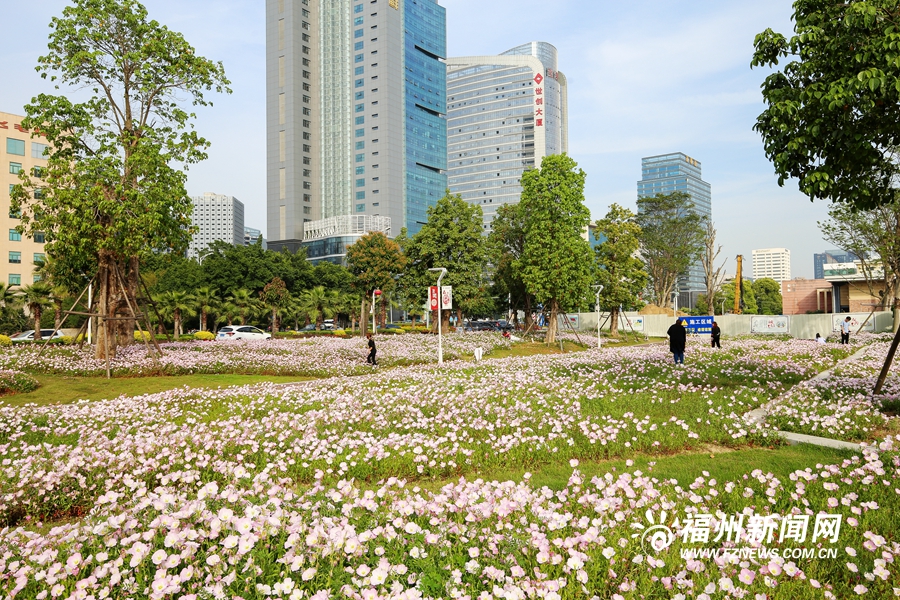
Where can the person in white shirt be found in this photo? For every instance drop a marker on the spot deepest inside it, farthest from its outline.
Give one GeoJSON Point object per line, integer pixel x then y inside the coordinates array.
{"type": "Point", "coordinates": [819, 339]}
{"type": "Point", "coordinates": [845, 331]}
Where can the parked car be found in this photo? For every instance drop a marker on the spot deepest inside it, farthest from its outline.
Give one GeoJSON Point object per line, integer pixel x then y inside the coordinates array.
{"type": "Point", "coordinates": [242, 332]}
{"type": "Point", "coordinates": [391, 326]}
{"type": "Point", "coordinates": [28, 336]}
{"type": "Point", "coordinates": [310, 327]}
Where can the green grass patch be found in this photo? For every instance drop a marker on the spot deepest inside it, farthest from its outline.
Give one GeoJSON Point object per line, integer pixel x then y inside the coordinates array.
{"type": "Point", "coordinates": [59, 389]}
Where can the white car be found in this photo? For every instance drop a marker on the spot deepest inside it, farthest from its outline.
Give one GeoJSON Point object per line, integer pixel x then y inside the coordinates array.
{"type": "Point", "coordinates": [28, 336]}
{"type": "Point", "coordinates": [242, 332]}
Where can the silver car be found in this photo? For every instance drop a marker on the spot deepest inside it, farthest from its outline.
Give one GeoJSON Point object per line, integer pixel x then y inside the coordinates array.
{"type": "Point", "coordinates": [28, 336]}
{"type": "Point", "coordinates": [242, 332]}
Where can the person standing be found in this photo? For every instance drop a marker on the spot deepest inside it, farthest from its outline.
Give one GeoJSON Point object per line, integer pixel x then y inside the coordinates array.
{"type": "Point", "coordinates": [370, 359]}
{"type": "Point", "coordinates": [716, 335]}
{"type": "Point", "coordinates": [845, 331]}
{"type": "Point", "coordinates": [677, 341]}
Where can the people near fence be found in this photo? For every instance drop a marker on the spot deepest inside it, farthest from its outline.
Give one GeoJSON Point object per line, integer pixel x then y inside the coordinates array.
{"type": "Point", "coordinates": [716, 335]}
{"type": "Point", "coordinates": [819, 339]}
{"type": "Point", "coordinates": [370, 359]}
{"type": "Point", "coordinates": [677, 340]}
{"type": "Point", "coordinates": [845, 331]}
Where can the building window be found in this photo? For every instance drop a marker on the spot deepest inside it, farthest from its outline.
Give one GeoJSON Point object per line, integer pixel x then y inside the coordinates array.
{"type": "Point", "coordinates": [15, 236]}
{"type": "Point", "coordinates": [307, 185]}
{"type": "Point", "coordinates": [39, 257]}
{"type": "Point", "coordinates": [15, 279]}
{"type": "Point", "coordinates": [307, 197]}
{"type": "Point", "coordinates": [359, 83]}
{"type": "Point", "coordinates": [360, 120]}
{"type": "Point", "coordinates": [360, 132]}
{"type": "Point", "coordinates": [306, 74]}
{"type": "Point", "coordinates": [15, 168]}
{"type": "Point", "coordinates": [14, 146]}
{"type": "Point", "coordinates": [358, 96]}
{"type": "Point", "coordinates": [360, 183]}
{"type": "Point", "coordinates": [307, 111]}
{"type": "Point", "coordinates": [307, 148]}
{"type": "Point", "coordinates": [306, 98]}
{"type": "Point", "coordinates": [37, 150]}
{"type": "Point", "coordinates": [358, 33]}
{"type": "Point", "coordinates": [359, 208]}
{"type": "Point", "coordinates": [358, 58]}
{"type": "Point", "coordinates": [307, 172]}
{"type": "Point", "coordinates": [358, 8]}
{"type": "Point", "coordinates": [360, 158]}
{"type": "Point", "coordinates": [360, 170]}
{"type": "Point", "coordinates": [307, 210]}
{"type": "Point", "coordinates": [360, 195]}
{"type": "Point", "coordinates": [358, 46]}
{"type": "Point", "coordinates": [39, 237]}
{"type": "Point", "coordinates": [360, 107]}
{"type": "Point", "coordinates": [360, 145]}
{"type": "Point", "coordinates": [307, 135]}
{"type": "Point", "coordinates": [15, 258]}
{"type": "Point", "coordinates": [358, 21]}
{"type": "Point", "coordinates": [359, 70]}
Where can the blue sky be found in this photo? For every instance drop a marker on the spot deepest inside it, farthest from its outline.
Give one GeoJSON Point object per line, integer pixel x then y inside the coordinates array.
{"type": "Point", "coordinates": [645, 77]}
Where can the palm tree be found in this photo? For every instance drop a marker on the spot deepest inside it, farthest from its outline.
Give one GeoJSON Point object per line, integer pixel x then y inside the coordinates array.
{"type": "Point", "coordinates": [245, 302]}
{"type": "Point", "coordinates": [59, 295]}
{"type": "Point", "coordinates": [320, 302]}
{"type": "Point", "coordinates": [207, 300]}
{"type": "Point", "coordinates": [228, 312]}
{"type": "Point", "coordinates": [36, 298]}
{"type": "Point", "coordinates": [179, 304]}
{"type": "Point", "coordinates": [9, 298]}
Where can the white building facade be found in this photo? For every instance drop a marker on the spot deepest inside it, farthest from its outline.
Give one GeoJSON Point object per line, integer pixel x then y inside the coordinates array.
{"type": "Point", "coordinates": [505, 113]}
{"type": "Point", "coordinates": [774, 263]}
{"type": "Point", "coordinates": [216, 217]}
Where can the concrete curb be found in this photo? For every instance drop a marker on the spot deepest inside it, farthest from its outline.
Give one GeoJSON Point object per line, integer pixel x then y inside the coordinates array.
{"type": "Point", "coordinates": [759, 416]}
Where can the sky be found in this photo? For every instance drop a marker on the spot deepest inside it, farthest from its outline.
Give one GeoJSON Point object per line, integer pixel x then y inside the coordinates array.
{"type": "Point", "coordinates": [645, 77]}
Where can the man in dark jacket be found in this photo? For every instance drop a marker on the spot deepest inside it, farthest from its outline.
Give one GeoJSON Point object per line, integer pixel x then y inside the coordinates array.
{"type": "Point", "coordinates": [677, 340]}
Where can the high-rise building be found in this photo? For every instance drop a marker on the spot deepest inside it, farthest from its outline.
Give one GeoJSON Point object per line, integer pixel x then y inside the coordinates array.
{"type": "Point", "coordinates": [251, 235]}
{"type": "Point", "coordinates": [356, 103]}
{"type": "Point", "coordinates": [678, 172]}
{"type": "Point", "coordinates": [18, 152]}
{"type": "Point", "coordinates": [830, 257]}
{"type": "Point", "coordinates": [504, 115]}
{"type": "Point", "coordinates": [217, 218]}
{"type": "Point", "coordinates": [774, 263]}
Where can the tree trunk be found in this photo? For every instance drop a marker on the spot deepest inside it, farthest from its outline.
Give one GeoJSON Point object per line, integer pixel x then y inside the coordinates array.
{"type": "Point", "coordinates": [445, 321]}
{"type": "Point", "coordinates": [203, 320]}
{"type": "Point", "coordinates": [105, 342]}
{"type": "Point", "coordinates": [57, 314]}
{"type": "Point", "coordinates": [276, 325]}
{"type": "Point", "coordinates": [614, 322]}
{"type": "Point", "coordinates": [552, 324]}
{"type": "Point", "coordinates": [177, 318]}
{"type": "Point", "coordinates": [37, 322]}
{"type": "Point", "coordinates": [529, 322]}
{"type": "Point", "coordinates": [363, 321]}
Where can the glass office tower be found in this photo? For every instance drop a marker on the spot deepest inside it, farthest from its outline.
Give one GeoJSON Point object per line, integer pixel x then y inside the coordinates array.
{"type": "Point", "coordinates": [505, 113]}
{"type": "Point", "coordinates": [679, 172]}
{"type": "Point", "coordinates": [373, 113]}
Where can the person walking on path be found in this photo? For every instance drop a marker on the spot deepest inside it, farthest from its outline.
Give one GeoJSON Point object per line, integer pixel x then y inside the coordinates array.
{"type": "Point", "coordinates": [370, 359]}
{"type": "Point", "coordinates": [677, 340]}
{"type": "Point", "coordinates": [845, 331]}
{"type": "Point", "coordinates": [716, 335]}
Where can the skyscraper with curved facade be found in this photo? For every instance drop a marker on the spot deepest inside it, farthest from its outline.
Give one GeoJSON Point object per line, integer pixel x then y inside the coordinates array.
{"type": "Point", "coordinates": [505, 113]}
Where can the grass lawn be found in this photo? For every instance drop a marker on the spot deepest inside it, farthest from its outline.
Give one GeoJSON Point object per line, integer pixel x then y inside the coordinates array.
{"type": "Point", "coordinates": [60, 389]}
{"type": "Point", "coordinates": [722, 464]}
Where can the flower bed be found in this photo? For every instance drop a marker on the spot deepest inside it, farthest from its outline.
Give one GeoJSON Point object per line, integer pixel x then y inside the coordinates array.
{"type": "Point", "coordinates": [320, 357]}
{"type": "Point", "coordinates": [16, 382]}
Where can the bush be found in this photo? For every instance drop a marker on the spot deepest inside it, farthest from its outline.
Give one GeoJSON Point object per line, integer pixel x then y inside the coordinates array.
{"type": "Point", "coordinates": [5, 340]}
{"type": "Point", "coordinates": [16, 382]}
{"type": "Point", "coordinates": [204, 336]}
{"type": "Point", "coordinates": [66, 339]}
{"type": "Point", "coordinates": [140, 336]}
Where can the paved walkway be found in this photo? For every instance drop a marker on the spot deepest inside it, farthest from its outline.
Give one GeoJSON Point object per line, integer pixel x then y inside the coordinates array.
{"type": "Point", "coordinates": [759, 415]}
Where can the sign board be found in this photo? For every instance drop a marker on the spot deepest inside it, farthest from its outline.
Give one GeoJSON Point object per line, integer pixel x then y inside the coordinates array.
{"type": "Point", "coordinates": [433, 298]}
{"type": "Point", "coordinates": [855, 322]}
{"type": "Point", "coordinates": [627, 323]}
{"type": "Point", "coordinates": [770, 324]}
{"type": "Point", "coordinates": [698, 325]}
{"type": "Point", "coordinates": [446, 297]}
{"type": "Point", "coordinates": [572, 322]}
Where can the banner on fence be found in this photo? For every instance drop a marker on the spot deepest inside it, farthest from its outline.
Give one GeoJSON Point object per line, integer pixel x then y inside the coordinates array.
{"type": "Point", "coordinates": [572, 322]}
{"type": "Point", "coordinates": [631, 323]}
{"type": "Point", "coordinates": [855, 322]}
{"type": "Point", "coordinates": [770, 325]}
{"type": "Point", "coordinates": [698, 325]}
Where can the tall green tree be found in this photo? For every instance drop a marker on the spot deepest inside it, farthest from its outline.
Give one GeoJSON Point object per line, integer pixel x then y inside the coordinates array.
{"type": "Point", "coordinates": [451, 238]}
{"type": "Point", "coordinates": [228, 268]}
{"type": "Point", "coordinates": [748, 298]}
{"type": "Point", "coordinates": [245, 304]}
{"type": "Point", "coordinates": [319, 304]}
{"type": "Point", "coordinates": [505, 245]}
{"type": "Point", "coordinates": [207, 300]}
{"type": "Point", "coordinates": [556, 262]}
{"type": "Point", "coordinates": [114, 187]}
{"type": "Point", "coordinates": [870, 234]}
{"type": "Point", "coordinates": [375, 261]}
{"type": "Point", "coordinates": [276, 297]}
{"type": "Point", "coordinates": [768, 296]}
{"type": "Point", "coordinates": [671, 240]}
{"type": "Point", "coordinates": [831, 107]}
{"type": "Point", "coordinates": [178, 304]}
{"type": "Point", "coordinates": [619, 270]}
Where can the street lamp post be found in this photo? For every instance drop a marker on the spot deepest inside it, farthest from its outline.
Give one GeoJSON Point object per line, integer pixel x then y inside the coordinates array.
{"type": "Point", "coordinates": [675, 304]}
{"type": "Point", "coordinates": [374, 326]}
{"type": "Point", "coordinates": [442, 272]}
{"type": "Point", "coordinates": [723, 307]}
{"type": "Point", "coordinates": [599, 289]}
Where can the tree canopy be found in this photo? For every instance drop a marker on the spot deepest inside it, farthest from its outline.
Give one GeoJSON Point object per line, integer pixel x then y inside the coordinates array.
{"type": "Point", "coordinates": [672, 235]}
{"type": "Point", "coordinates": [620, 271]}
{"type": "Point", "coordinates": [113, 190]}
{"type": "Point", "coordinates": [556, 262]}
{"type": "Point", "coordinates": [376, 261]}
{"type": "Point", "coordinates": [767, 293]}
{"type": "Point", "coordinates": [831, 116]}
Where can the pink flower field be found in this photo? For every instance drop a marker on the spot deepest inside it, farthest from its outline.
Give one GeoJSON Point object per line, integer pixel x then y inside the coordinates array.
{"type": "Point", "coordinates": [373, 486]}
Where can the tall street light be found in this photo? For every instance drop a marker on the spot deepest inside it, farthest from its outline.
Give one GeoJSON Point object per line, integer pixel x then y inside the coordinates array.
{"type": "Point", "coordinates": [374, 326]}
{"type": "Point", "coordinates": [442, 272]}
{"type": "Point", "coordinates": [599, 289]}
{"type": "Point", "coordinates": [675, 304]}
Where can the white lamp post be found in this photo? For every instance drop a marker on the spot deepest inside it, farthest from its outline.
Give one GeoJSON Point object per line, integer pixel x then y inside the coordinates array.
{"type": "Point", "coordinates": [599, 289]}
{"type": "Point", "coordinates": [675, 304]}
{"type": "Point", "coordinates": [374, 326]}
{"type": "Point", "coordinates": [442, 272]}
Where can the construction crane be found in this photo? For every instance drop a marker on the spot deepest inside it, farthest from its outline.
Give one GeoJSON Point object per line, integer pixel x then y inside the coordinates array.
{"type": "Point", "coordinates": [738, 285]}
